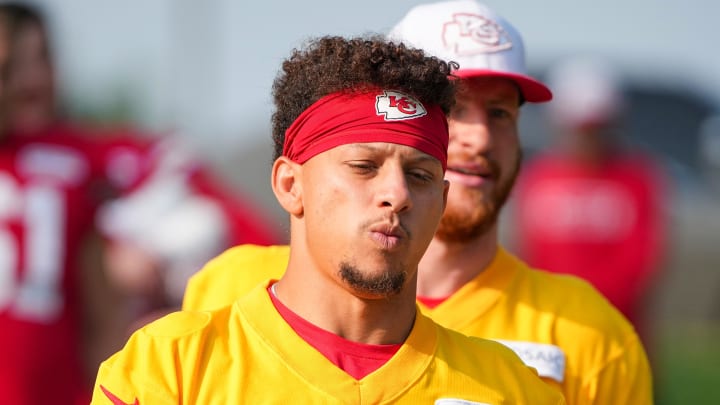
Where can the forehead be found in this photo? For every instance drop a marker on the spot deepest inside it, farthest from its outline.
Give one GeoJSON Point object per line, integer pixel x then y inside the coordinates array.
{"type": "Point", "coordinates": [490, 88]}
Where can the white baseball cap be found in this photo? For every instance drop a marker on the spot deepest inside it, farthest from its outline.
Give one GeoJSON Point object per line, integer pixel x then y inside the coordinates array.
{"type": "Point", "coordinates": [587, 90]}
{"type": "Point", "coordinates": [469, 33]}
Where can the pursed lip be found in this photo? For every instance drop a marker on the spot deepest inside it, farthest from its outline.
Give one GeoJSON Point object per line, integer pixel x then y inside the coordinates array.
{"type": "Point", "coordinates": [388, 235]}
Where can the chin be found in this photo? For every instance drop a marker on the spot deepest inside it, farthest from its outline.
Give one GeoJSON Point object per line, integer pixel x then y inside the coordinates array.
{"type": "Point", "coordinates": [383, 284]}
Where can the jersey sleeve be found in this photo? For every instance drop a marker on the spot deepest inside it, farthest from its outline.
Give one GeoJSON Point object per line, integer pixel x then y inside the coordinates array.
{"type": "Point", "coordinates": [130, 376]}
{"type": "Point", "coordinates": [158, 363]}
{"type": "Point", "coordinates": [233, 274]}
{"type": "Point", "coordinates": [196, 291]}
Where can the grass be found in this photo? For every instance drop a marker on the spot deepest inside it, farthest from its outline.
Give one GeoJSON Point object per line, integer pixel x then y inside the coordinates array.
{"type": "Point", "coordinates": [687, 364]}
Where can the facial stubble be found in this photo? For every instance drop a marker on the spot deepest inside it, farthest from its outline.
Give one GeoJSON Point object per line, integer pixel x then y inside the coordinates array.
{"type": "Point", "coordinates": [461, 225]}
{"type": "Point", "coordinates": [386, 284]}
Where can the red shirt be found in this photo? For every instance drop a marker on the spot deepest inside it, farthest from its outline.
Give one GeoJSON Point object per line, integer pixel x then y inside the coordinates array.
{"type": "Point", "coordinates": [48, 197]}
{"type": "Point", "coordinates": [356, 359]}
{"type": "Point", "coordinates": [604, 224]}
{"type": "Point", "coordinates": [51, 186]}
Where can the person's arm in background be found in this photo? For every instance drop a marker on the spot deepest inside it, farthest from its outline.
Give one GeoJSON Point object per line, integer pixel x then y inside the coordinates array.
{"type": "Point", "coordinates": [104, 319]}
{"type": "Point", "coordinates": [654, 255]}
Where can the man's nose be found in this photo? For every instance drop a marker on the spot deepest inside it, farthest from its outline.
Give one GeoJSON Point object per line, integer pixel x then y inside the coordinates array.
{"type": "Point", "coordinates": [471, 133]}
{"type": "Point", "coordinates": [394, 191]}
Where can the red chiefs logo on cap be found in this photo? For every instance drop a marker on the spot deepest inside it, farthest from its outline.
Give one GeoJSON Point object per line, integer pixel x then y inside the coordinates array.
{"type": "Point", "coordinates": [398, 106]}
{"type": "Point", "coordinates": [469, 34]}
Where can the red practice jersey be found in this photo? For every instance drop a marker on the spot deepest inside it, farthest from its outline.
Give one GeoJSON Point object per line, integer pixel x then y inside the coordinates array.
{"type": "Point", "coordinates": [52, 186]}
{"type": "Point", "coordinates": [604, 224]}
{"type": "Point", "coordinates": [48, 196]}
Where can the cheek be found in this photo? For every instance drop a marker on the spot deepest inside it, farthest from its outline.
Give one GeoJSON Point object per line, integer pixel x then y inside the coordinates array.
{"type": "Point", "coordinates": [429, 208]}
{"type": "Point", "coordinates": [507, 146]}
{"type": "Point", "coordinates": [460, 195]}
{"type": "Point", "coordinates": [331, 202]}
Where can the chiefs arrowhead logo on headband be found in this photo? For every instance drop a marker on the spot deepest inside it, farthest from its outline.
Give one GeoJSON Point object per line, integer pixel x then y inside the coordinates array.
{"type": "Point", "coordinates": [398, 106]}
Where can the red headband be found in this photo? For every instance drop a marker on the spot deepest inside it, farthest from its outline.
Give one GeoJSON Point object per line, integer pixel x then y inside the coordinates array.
{"type": "Point", "coordinates": [377, 116]}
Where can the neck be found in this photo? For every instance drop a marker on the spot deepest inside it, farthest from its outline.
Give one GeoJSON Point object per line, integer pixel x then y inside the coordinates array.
{"type": "Point", "coordinates": [447, 266]}
{"type": "Point", "coordinates": [329, 305]}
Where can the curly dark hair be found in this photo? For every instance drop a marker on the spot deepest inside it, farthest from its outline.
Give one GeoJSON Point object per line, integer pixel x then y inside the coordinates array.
{"type": "Point", "coordinates": [332, 64]}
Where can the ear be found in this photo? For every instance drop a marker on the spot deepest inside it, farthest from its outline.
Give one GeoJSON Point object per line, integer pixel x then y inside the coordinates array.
{"type": "Point", "coordinates": [287, 186]}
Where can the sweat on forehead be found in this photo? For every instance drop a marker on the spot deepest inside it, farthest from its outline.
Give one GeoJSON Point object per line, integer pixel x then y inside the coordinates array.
{"type": "Point", "coordinates": [373, 116]}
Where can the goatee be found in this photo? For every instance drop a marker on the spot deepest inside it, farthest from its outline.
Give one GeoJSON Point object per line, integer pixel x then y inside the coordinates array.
{"type": "Point", "coordinates": [387, 284]}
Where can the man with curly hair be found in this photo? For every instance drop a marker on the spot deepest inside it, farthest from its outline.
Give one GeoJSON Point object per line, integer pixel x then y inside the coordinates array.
{"type": "Point", "coordinates": [467, 281]}
{"type": "Point", "coordinates": [361, 138]}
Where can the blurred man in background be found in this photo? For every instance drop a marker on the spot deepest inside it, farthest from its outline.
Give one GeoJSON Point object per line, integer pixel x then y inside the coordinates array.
{"type": "Point", "coordinates": [65, 299]}
{"type": "Point", "coordinates": [58, 314]}
{"type": "Point", "coordinates": [590, 206]}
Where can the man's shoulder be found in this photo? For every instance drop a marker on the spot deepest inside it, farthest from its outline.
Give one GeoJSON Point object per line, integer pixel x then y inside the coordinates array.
{"type": "Point", "coordinates": [269, 260]}
{"type": "Point", "coordinates": [251, 253]}
{"type": "Point", "coordinates": [450, 340]}
{"type": "Point", "coordinates": [178, 324]}
{"type": "Point", "coordinates": [576, 301]}
{"type": "Point", "coordinates": [185, 326]}
{"type": "Point", "coordinates": [233, 273]}
{"type": "Point", "coordinates": [493, 363]}
{"type": "Point", "coordinates": [169, 349]}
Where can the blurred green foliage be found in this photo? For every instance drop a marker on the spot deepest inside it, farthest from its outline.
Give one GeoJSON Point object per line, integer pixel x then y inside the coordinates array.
{"type": "Point", "coordinates": [688, 365]}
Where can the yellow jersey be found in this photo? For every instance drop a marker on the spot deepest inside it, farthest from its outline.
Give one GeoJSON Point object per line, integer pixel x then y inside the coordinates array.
{"type": "Point", "coordinates": [559, 325]}
{"type": "Point", "coordinates": [246, 353]}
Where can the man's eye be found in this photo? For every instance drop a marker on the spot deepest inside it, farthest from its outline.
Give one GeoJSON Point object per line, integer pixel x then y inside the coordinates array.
{"type": "Point", "coordinates": [361, 166]}
{"type": "Point", "coordinates": [421, 175]}
{"type": "Point", "coordinates": [499, 113]}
